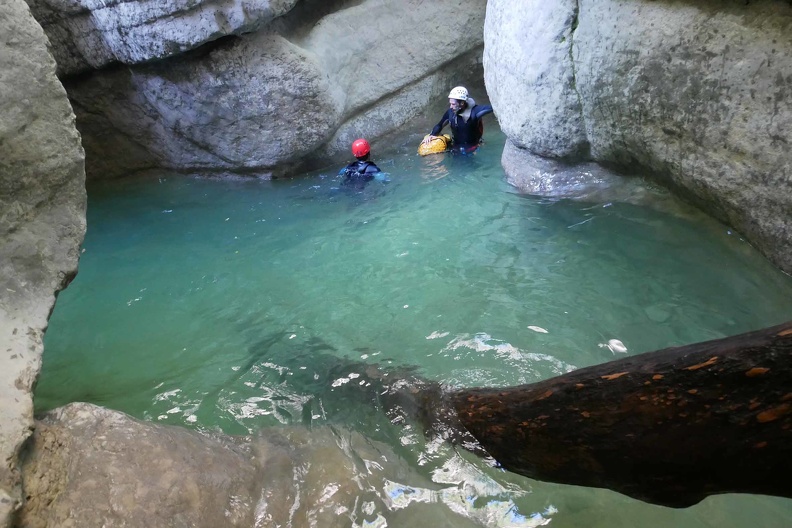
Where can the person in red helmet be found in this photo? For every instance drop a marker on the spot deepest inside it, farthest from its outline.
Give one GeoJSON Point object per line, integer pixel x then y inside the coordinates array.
{"type": "Point", "coordinates": [362, 171]}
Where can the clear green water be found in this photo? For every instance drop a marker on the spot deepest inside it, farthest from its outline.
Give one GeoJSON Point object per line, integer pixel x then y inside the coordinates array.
{"type": "Point", "coordinates": [233, 306]}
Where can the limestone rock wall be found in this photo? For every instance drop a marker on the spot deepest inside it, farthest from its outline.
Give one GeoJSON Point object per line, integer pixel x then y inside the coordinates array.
{"type": "Point", "coordinates": [89, 34]}
{"type": "Point", "coordinates": [291, 86]}
{"type": "Point", "coordinates": [242, 108]}
{"type": "Point", "coordinates": [42, 222]}
{"type": "Point", "coordinates": [529, 74]}
{"type": "Point", "coordinates": [697, 94]}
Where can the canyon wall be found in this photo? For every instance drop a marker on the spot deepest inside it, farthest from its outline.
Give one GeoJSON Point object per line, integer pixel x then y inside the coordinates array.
{"type": "Point", "coordinates": [42, 223]}
{"type": "Point", "coordinates": [697, 94]}
{"type": "Point", "coordinates": [256, 89]}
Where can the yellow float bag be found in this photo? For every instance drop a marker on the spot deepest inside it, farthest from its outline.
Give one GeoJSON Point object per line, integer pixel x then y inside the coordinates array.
{"type": "Point", "coordinates": [438, 144]}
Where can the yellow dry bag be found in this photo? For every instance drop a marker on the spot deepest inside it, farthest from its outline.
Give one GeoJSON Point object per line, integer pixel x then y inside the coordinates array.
{"type": "Point", "coordinates": [438, 144]}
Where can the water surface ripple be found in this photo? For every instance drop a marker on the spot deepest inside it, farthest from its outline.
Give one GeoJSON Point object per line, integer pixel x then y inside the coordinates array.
{"type": "Point", "coordinates": [238, 306]}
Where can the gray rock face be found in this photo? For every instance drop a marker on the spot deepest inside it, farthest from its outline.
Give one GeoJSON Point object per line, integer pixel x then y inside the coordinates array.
{"type": "Point", "coordinates": [89, 34]}
{"type": "Point", "coordinates": [42, 221]}
{"type": "Point", "coordinates": [241, 108]}
{"type": "Point", "coordinates": [294, 92]}
{"type": "Point", "coordinates": [530, 75]}
{"type": "Point", "coordinates": [90, 466]}
{"type": "Point", "coordinates": [697, 95]}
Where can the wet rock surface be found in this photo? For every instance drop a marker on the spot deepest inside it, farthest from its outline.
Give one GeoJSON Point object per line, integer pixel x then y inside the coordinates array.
{"type": "Point", "coordinates": [90, 466]}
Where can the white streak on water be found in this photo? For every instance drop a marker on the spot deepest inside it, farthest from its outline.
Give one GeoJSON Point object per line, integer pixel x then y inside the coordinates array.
{"type": "Point", "coordinates": [166, 395]}
{"type": "Point", "coordinates": [615, 346]}
{"type": "Point", "coordinates": [532, 366]}
{"type": "Point", "coordinates": [580, 223]}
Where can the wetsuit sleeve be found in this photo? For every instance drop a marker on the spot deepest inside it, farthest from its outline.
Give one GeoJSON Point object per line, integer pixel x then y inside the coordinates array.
{"type": "Point", "coordinates": [344, 170]}
{"type": "Point", "coordinates": [482, 110]}
{"type": "Point", "coordinates": [371, 168]}
{"type": "Point", "coordinates": [443, 122]}
{"type": "Point", "coordinates": [377, 173]}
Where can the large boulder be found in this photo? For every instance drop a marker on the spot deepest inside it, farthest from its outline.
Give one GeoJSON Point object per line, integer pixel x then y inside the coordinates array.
{"type": "Point", "coordinates": [530, 75]}
{"type": "Point", "coordinates": [89, 466]}
{"type": "Point", "coordinates": [42, 222]}
{"type": "Point", "coordinates": [89, 34]}
{"type": "Point", "coordinates": [243, 107]}
{"type": "Point", "coordinates": [696, 94]}
{"type": "Point", "coordinates": [294, 92]}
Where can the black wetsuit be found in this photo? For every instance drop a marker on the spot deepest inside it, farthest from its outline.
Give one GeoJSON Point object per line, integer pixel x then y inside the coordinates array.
{"type": "Point", "coordinates": [467, 134]}
{"type": "Point", "coordinates": [358, 173]}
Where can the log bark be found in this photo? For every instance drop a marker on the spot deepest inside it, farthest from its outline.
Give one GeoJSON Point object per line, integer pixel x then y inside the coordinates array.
{"type": "Point", "coordinates": [668, 427]}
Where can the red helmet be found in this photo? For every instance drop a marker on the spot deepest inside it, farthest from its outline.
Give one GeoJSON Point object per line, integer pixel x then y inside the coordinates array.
{"type": "Point", "coordinates": [360, 147]}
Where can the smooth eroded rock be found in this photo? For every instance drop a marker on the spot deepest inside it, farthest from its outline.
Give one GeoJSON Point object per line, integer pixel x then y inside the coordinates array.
{"type": "Point", "coordinates": [90, 34]}
{"type": "Point", "coordinates": [42, 221]}
{"type": "Point", "coordinates": [530, 75]}
{"type": "Point", "coordinates": [90, 466]}
{"type": "Point", "coordinates": [245, 107]}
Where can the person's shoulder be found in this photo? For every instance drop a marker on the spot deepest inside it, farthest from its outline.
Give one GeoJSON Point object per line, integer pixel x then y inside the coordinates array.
{"type": "Point", "coordinates": [372, 167]}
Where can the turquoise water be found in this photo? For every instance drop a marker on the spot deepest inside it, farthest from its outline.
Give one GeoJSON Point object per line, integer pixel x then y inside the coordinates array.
{"type": "Point", "coordinates": [235, 306]}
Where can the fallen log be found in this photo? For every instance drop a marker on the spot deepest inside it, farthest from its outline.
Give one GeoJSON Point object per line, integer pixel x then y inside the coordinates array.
{"type": "Point", "coordinates": [668, 427]}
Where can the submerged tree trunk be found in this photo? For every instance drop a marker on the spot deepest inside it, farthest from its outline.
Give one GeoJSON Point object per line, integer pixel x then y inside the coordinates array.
{"type": "Point", "coordinates": [668, 427]}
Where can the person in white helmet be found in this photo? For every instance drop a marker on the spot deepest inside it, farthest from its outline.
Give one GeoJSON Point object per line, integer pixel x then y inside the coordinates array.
{"type": "Point", "coordinates": [464, 117]}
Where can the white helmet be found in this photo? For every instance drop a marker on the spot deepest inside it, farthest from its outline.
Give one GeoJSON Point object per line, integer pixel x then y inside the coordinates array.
{"type": "Point", "coordinates": [460, 92]}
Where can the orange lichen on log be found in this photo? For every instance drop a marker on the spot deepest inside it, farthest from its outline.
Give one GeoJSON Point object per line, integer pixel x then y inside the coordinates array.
{"type": "Point", "coordinates": [693, 391]}
{"type": "Point", "coordinates": [773, 414]}
{"type": "Point", "coordinates": [756, 371]}
{"type": "Point", "coordinates": [610, 377]}
{"type": "Point", "coordinates": [760, 445]}
{"type": "Point", "coordinates": [544, 395]}
{"type": "Point", "coordinates": [707, 363]}
{"type": "Point", "coordinates": [657, 377]}
{"type": "Point", "coordinates": [785, 333]}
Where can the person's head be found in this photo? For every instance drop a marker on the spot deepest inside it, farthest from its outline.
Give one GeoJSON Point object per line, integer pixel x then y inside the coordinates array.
{"type": "Point", "coordinates": [457, 98]}
{"type": "Point", "coordinates": [361, 149]}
